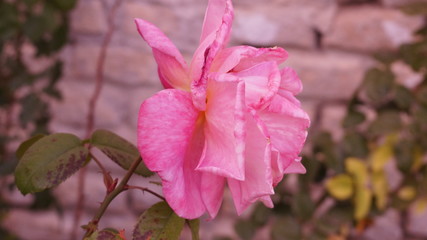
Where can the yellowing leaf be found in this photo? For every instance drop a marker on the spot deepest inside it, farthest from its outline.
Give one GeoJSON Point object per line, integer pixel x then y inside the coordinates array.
{"type": "Point", "coordinates": [363, 195]}
{"type": "Point", "coordinates": [358, 169]}
{"type": "Point", "coordinates": [407, 193]}
{"type": "Point", "coordinates": [363, 202]}
{"type": "Point", "coordinates": [381, 156]}
{"type": "Point", "coordinates": [421, 205]}
{"type": "Point", "coordinates": [418, 159]}
{"type": "Point", "coordinates": [380, 189]}
{"type": "Point", "coordinates": [340, 186]}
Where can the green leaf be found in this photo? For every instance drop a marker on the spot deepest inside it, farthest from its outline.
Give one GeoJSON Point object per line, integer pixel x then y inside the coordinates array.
{"type": "Point", "coordinates": [353, 119]}
{"type": "Point", "coordinates": [415, 54]}
{"type": "Point", "coordinates": [194, 225]}
{"type": "Point", "coordinates": [340, 186]}
{"type": "Point", "coordinates": [422, 95]}
{"type": "Point", "coordinates": [403, 97]}
{"type": "Point", "coordinates": [286, 228]}
{"type": "Point", "coordinates": [404, 152]}
{"type": "Point", "coordinates": [49, 161]}
{"type": "Point", "coordinates": [316, 171]}
{"type": "Point", "coordinates": [105, 234]}
{"type": "Point", "coordinates": [60, 37]}
{"type": "Point", "coordinates": [386, 122]}
{"type": "Point", "coordinates": [27, 144]}
{"type": "Point", "coordinates": [64, 5]}
{"type": "Point", "coordinates": [9, 24]}
{"type": "Point", "coordinates": [377, 85]}
{"type": "Point", "coordinates": [324, 149]}
{"type": "Point", "coordinates": [34, 28]}
{"type": "Point", "coordinates": [158, 222]}
{"type": "Point", "coordinates": [32, 108]}
{"type": "Point", "coordinates": [355, 145]}
{"type": "Point", "coordinates": [119, 150]}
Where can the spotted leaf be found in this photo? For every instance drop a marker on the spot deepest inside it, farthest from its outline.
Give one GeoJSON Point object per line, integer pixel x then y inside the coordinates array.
{"type": "Point", "coordinates": [158, 222]}
{"type": "Point", "coordinates": [49, 161]}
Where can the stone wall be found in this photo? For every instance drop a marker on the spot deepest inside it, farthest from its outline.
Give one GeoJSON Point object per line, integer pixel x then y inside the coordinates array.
{"type": "Point", "coordinates": [330, 43]}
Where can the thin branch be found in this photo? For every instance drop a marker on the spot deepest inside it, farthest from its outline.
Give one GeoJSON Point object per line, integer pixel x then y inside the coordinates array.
{"type": "Point", "coordinates": [93, 224]}
{"type": "Point", "coordinates": [104, 171]}
{"type": "Point", "coordinates": [91, 110]}
{"type": "Point", "coordinates": [100, 69]}
{"type": "Point", "coordinates": [143, 189]}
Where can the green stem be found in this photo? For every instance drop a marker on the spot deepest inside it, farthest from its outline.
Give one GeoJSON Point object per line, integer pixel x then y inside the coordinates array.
{"type": "Point", "coordinates": [91, 227]}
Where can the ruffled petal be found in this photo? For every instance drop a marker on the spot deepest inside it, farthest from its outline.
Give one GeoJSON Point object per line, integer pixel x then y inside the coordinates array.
{"type": "Point", "coordinates": [215, 35]}
{"type": "Point", "coordinates": [290, 81]}
{"type": "Point", "coordinates": [224, 130]}
{"type": "Point", "coordinates": [287, 125]}
{"type": "Point", "coordinates": [239, 58]}
{"type": "Point", "coordinates": [287, 104]}
{"type": "Point", "coordinates": [172, 68]}
{"type": "Point", "coordinates": [170, 140]}
{"type": "Point", "coordinates": [258, 180]}
{"type": "Point", "coordinates": [287, 133]}
{"type": "Point", "coordinates": [262, 82]}
{"type": "Point", "coordinates": [284, 164]}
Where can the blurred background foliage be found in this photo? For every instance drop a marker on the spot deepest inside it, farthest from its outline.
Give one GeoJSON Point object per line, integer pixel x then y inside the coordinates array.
{"type": "Point", "coordinates": [378, 164]}
{"type": "Point", "coordinates": [32, 32]}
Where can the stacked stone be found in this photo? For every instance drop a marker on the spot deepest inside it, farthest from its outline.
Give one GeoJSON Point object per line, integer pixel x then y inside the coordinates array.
{"type": "Point", "coordinates": [330, 43]}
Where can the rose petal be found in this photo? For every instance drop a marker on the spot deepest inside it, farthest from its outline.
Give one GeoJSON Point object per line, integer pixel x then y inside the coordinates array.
{"type": "Point", "coordinates": [290, 81]}
{"type": "Point", "coordinates": [212, 190]}
{"type": "Point", "coordinates": [262, 82]}
{"type": "Point", "coordinates": [288, 134]}
{"type": "Point", "coordinates": [288, 105]}
{"type": "Point", "coordinates": [170, 140]}
{"type": "Point", "coordinates": [214, 36]}
{"type": "Point", "coordinates": [224, 130]}
{"type": "Point", "coordinates": [296, 167]}
{"type": "Point", "coordinates": [267, 201]}
{"type": "Point", "coordinates": [172, 67]}
{"type": "Point", "coordinates": [213, 17]}
{"type": "Point", "coordinates": [239, 58]}
{"type": "Point", "coordinates": [284, 164]}
{"type": "Point", "coordinates": [287, 127]}
{"type": "Point", "coordinates": [258, 179]}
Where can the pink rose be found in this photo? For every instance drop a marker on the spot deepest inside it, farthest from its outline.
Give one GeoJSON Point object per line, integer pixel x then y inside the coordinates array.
{"type": "Point", "coordinates": [229, 117]}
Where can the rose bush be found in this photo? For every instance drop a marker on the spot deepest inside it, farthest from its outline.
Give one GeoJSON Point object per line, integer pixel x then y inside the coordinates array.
{"type": "Point", "coordinates": [231, 116]}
